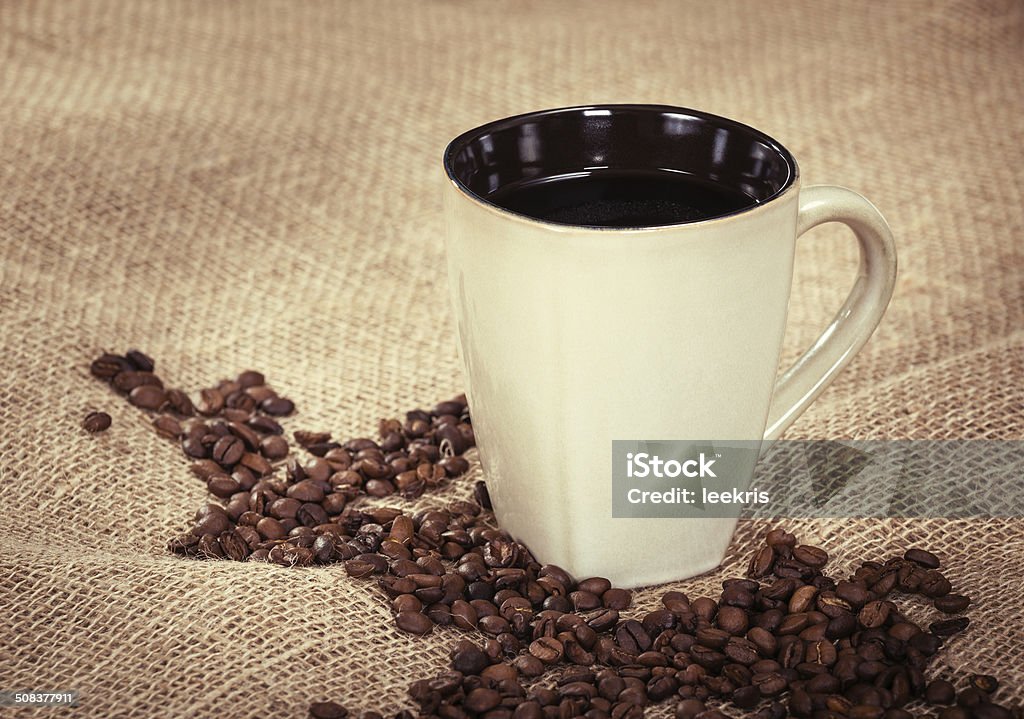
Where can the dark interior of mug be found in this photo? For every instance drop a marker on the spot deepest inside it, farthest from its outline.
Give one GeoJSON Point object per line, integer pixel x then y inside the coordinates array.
{"type": "Point", "coordinates": [620, 165]}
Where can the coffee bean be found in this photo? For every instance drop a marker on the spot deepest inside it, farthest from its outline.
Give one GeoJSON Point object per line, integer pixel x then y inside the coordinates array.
{"type": "Point", "coordinates": [632, 637]}
{"type": "Point", "coordinates": [690, 709]}
{"type": "Point", "coordinates": [277, 406]}
{"type": "Point", "coordinates": [411, 622]}
{"type": "Point", "coordinates": [327, 710]}
{"type": "Point", "coordinates": [528, 710]}
{"type": "Point", "coordinates": [179, 403]}
{"type": "Point", "coordinates": [209, 548]}
{"type": "Point", "coordinates": [214, 522]}
{"type": "Point", "coordinates": [780, 538]}
{"type": "Point", "coordinates": [481, 700]}
{"type": "Point", "coordinates": [107, 366]}
{"type": "Point", "coordinates": [583, 601]}
{"type": "Point", "coordinates": [971, 697]}
{"type": "Point", "coordinates": [96, 422]}
{"type": "Point", "coordinates": [594, 585]}
{"type": "Point", "coordinates": [211, 402]}
{"type": "Point", "coordinates": [493, 624]}
{"type": "Point", "coordinates": [814, 557]}
{"type": "Point", "coordinates": [770, 684]}
{"type": "Point", "coordinates": [704, 607]}
{"type": "Point", "coordinates": [234, 546]}
{"type": "Point", "coordinates": [274, 447]}
{"type": "Point", "coordinates": [802, 599]}
{"type": "Point", "coordinates": [456, 467]}
{"type": "Point", "coordinates": [925, 643]}
{"type": "Point", "coordinates": [934, 584]}
{"type": "Point", "coordinates": [983, 682]}
{"type": "Point", "coordinates": [323, 548]}
{"type": "Point", "coordinates": [922, 558]}
{"type": "Point", "coordinates": [949, 627]}
{"type": "Point", "coordinates": [793, 624]}
{"type": "Point", "coordinates": [855, 594]}
{"type": "Point", "coordinates": [306, 491]}
{"type": "Point", "coordinates": [228, 450]}
{"type": "Point", "coordinates": [952, 603]}
{"type": "Point", "coordinates": [821, 652]}
{"type": "Point", "coordinates": [733, 620]}
{"type": "Point", "coordinates": [865, 711]}
{"type": "Point", "coordinates": [761, 563]}
{"type": "Point", "coordinates": [765, 641]}
{"type": "Point", "coordinates": [991, 711]}
{"type": "Point", "coordinates": [469, 658]}
{"type": "Point", "coordinates": [547, 649]}
{"type": "Point", "coordinates": [221, 485]}
{"type": "Point", "coordinates": [148, 396]}
{"type": "Point", "coordinates": [265, 425]}
{"type": "Point", "coordinates": [746, 697]}
{"type": "Point", "coordinates": [874, 614]}
{"type": "Point", "coordinates": [603, 620]}
{"type": "Point", "coordinates": [940, 691]}
{"type": "Point", "coordinates": [741, 651]}
{"type": "Point", "coordinates": [140, 360]}
{"type": "Point", "coordinates": [130, 379]}
{"type": "Point", "coordinates": [528, 665]}
{"type": "Point", "coordinates": [499, 672]}
{"type": "Point", "coordinates": [167, 426]}
{"type": "Point", "coordinates": [270, 529]}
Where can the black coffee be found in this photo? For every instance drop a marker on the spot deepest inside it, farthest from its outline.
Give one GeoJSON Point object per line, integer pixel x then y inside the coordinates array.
{"type": "Point", "coordinates": [621, 198]}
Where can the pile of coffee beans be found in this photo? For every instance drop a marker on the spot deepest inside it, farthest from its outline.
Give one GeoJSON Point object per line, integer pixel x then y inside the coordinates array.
{"type": "Point", "coordinates": [275, 506]}
{"type": "Point", "coordinates": [786, 640]}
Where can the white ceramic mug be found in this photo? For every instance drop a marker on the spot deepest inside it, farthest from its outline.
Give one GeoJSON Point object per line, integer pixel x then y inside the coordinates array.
{"type": "Point", "coordinates": [573, 336]}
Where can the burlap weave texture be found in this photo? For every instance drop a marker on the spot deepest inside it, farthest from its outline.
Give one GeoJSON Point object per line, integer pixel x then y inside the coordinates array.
{"type": "Point", "coordinates": [234, 185]}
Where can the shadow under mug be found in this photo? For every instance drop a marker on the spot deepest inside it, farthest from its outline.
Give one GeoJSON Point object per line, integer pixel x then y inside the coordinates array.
{"type": "Point", "coordinates": [573, 336]}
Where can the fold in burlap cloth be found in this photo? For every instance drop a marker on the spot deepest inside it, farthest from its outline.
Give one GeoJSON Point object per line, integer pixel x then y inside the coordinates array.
{"type": "Point", "coordinates": [233, 185]}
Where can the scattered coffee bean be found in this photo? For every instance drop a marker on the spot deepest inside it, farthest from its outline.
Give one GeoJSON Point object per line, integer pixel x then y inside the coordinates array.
{"type": "Point", "coordinates": [922, 558]}
{"type": "Point", "coordinates": [179, 403]}
{"type": "Point", "coordinates": [148, 396]}
{"type": "Point", "coordinates": [140, 360]}
{"type": "Point", "coordinates": [814, 557]}
{"type": "Point", "coordinates": [96, 422]}
{"type": "Point", "coordinates": [952, 603]}
{"type": "Point", "coordinates": [107, 366]}
{"type": "Point", "coordinates": [939, 692]}
{"type": "Point", "coordinates": [167, 426]}
{"type": "Point", "coordinates": [130, 379]}
{"type": "Point", "coordinates": [277, 406]}
{"type": "Point", "coordinates": [327, 710]}
{"type": "Point", "coordinates": [983, 682]}
{"type": "Point", "coordinates": [948, 627]}
{"type": "Point", "coordinates": [412, 622]}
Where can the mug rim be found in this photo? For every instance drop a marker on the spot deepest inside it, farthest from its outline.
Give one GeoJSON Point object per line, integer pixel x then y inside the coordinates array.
{"type": "Point", "coordinates": [457, 144]}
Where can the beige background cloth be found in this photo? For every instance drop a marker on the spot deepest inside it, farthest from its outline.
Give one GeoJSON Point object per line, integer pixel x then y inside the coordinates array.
{"type": "Point", "coordinates": [231, 185]}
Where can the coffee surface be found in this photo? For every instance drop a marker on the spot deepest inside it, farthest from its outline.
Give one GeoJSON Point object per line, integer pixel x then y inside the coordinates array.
{"type": "Point", "coordinates": [621, 198]}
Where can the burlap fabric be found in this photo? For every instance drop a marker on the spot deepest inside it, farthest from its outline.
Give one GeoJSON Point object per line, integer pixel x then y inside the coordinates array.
{"type": "Point", "coordinates": [235, 185]}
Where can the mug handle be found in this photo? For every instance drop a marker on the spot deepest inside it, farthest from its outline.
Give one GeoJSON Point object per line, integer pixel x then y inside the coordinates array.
{"type": "Point", "coordinates": [860, 314]}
